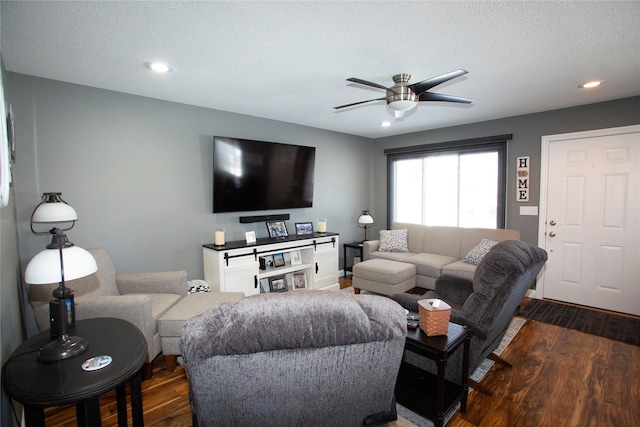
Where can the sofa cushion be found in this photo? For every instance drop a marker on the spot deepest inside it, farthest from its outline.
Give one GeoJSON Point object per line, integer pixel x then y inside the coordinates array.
{"type": "Point", "coordinates": [415, 235]}
{"type": "Point", "coordinates": [475, 255]}
{"type": "Point", "coordinates": [442, 240]}
{"type": "Point", "coordinates": [460, 268]}
{"type": "Point", "coordinates": [430, 264]}
{"type": "Point", "coordinates": [393, 241]}
{"type": "Point", "coordinates": [393, 256]}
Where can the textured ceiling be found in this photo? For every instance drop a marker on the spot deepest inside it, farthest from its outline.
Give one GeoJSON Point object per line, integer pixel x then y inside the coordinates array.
{"type": "Point", "coordinates": [288, 61]}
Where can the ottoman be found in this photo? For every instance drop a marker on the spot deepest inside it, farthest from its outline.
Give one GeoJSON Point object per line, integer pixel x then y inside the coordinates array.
{"type": "Point", "coordinates": [170, 323]}
{"type": "Point", "coordinates": [383, 276]}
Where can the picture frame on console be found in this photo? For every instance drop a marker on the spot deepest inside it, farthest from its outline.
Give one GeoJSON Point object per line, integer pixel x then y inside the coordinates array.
{"type": "Point", "coordinates": [278, 260]}
{"type": "Point", "coordinates": [296, 258]}
{"type": "Point", "coordinates": [300, 280]}
{"type": "Point", "coordinates": [304, 228]}
{"type": "Point", "coordinates": [278, 284]}
{"type": "Point", "coordinates": [277, 229]}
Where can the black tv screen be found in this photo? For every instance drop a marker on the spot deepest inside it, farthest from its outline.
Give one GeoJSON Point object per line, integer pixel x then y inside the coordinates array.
{"type": "Point", "coordinates": [256, 175]}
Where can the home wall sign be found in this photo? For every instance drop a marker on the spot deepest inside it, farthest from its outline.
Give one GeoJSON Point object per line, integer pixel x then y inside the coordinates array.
{"type": "Point", "coordinates": [522, 179]}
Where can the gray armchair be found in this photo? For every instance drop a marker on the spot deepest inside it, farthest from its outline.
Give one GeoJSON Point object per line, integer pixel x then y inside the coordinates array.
{"type": "Point", "coordinates": [139, 298]}
{"type": "Point", "coordinates": [302, 358]}
{"type": "Point", "coordinates": [486, 305]}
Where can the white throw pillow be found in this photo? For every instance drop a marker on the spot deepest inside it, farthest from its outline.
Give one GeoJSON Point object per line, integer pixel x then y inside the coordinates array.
{"type": "Point", "coordinates": [476, 254]}
{"type": "Point", "coordinates": [393, 241]}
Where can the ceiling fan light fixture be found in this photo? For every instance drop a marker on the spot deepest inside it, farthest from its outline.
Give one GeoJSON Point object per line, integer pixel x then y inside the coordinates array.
{"type": "Point", "coordinates": [401, 97]}
{"type": "Point", "coordinates": [402, 104]}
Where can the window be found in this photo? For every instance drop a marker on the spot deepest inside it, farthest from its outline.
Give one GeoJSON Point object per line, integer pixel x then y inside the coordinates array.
{"type": "Point", "coordinates": [458, 183]}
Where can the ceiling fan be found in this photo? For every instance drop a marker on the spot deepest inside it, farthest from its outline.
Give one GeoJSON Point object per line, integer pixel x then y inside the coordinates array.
{"type": "Point", "coordinates": [402, 96]}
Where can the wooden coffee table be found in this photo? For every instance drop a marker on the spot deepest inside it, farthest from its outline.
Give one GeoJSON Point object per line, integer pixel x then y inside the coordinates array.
{"type": "Point", "coordinates": [427, 394]}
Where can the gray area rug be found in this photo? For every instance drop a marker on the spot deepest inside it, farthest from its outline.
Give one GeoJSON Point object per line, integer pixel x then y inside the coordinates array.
{"type": "Point", "coordinates": [407, 418]}
{"type": "Point", "coordinates": [604, 324]}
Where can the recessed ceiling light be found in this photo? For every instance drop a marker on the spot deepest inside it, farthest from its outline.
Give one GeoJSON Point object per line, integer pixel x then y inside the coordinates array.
{"type": "Point", "coordinates": [590, 85]}
{"type": "Point", "coordinates": [158, 67]}
{"type": "Point", "coordinates": [385, 124]}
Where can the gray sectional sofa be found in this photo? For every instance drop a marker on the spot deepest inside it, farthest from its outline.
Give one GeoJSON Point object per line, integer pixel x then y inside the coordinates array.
{"type": "Point", "coordinates": [436, 250]}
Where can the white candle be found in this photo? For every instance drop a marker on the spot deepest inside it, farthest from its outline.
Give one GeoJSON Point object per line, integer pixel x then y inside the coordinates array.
{"type": "Point", "coordinates": [322, 226]}
{"type": "Point", "coordinates": [218, 238]}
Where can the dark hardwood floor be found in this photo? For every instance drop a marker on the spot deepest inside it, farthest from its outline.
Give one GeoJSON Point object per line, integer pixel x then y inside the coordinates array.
{"type": "Point", "coordinates": [560, 377]}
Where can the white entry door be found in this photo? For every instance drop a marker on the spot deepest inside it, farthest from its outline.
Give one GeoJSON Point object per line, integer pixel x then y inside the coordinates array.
{"type": "Point", "coordinates": [590, 218]}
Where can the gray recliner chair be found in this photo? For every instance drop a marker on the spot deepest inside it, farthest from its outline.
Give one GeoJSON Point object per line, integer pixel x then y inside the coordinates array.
{"type": "Point", "coordinates": [305, 358]}
{"type": "Point", "coordinates": [485, 305]}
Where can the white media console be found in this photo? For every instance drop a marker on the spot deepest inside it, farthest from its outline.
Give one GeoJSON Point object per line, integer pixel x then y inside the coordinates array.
{"type": "Point", "coordinates": [289, 264]}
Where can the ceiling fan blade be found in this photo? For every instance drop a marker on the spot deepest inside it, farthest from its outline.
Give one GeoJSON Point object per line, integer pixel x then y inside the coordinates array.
{"type": "Point", "coordinates": [366, 83]}
{"type": "Point", "coordinates": [423, 86]}
{"type": "Point", "coordinates": [358, 103]}
{"type": "Point", "coordinates": [430, 96]}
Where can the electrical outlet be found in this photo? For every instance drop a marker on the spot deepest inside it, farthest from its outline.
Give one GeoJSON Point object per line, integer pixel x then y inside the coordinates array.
{"type": "Point", "coordinates": [528, 210]}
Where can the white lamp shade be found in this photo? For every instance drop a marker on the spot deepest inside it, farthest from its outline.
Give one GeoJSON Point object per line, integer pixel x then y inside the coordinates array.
{"type": "Point", "coordinates": [54, 212]}
{"type": "Point", "coordinates": [402, 105]}
{"type": "Point", "coordinates": [365, 219]}
{"type": "Point", "coordinates": [44, 268]}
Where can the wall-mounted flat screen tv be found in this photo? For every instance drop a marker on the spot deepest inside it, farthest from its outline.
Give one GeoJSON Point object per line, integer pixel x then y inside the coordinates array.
{"type": "Point", "coordinates": [253, 175]}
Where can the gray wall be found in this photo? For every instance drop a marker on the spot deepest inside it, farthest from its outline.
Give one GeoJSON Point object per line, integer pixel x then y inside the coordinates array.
{"type": "Point", "coordinates": [11, 325]}
{"type": "Point", "coordinates": [527, 131]}
{"type": "Point", "coordinates": [139, 172]}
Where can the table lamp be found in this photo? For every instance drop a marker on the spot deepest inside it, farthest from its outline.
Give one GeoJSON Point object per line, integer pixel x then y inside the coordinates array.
{"type": "Point", "coordinates": [61, 261]}
{"type": "Point", "coordinates": [52, 209]}
{"type": "Point", "coordinates": [365, 220]}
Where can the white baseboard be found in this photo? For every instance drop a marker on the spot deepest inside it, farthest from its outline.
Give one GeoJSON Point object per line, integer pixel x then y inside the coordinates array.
{"type": "Point", "coordinates": [334, 287]}
{"type": "Point", "coordinates": [532, 293]}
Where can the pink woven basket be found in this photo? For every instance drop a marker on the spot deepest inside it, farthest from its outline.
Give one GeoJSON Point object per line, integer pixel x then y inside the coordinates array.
{"type": "Point", "coordinates": [434, 320]}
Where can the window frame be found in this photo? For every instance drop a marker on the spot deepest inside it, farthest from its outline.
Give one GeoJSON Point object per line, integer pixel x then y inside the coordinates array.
{"type": "Point", "coordinates": [497, 143]}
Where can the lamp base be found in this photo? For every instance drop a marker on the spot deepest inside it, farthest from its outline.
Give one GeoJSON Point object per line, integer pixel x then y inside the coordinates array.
{"type": "Point", "coordinates": [63, 348]}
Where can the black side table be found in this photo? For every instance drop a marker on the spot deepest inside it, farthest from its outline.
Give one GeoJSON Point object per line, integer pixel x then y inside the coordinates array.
{"type": "Point", "coordinates": [421, 391]}
{"type": "Point", "coordinates": [38, 385]}
{"type": "Point", "coordinates": [354, 245]}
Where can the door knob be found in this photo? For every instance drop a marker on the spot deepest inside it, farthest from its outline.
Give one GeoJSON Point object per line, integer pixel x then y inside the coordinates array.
{"type": "Point", "coordinates": [552, 222]}
{"type": "Point", "coordinates": [552, 234]}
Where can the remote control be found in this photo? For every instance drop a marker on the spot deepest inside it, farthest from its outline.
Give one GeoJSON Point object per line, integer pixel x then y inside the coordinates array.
{"type": "Point", "coordinates": [412, 324]}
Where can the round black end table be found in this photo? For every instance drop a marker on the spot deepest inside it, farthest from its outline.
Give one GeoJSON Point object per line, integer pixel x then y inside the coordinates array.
{"type": "Point", "coordinates": [39, 385]}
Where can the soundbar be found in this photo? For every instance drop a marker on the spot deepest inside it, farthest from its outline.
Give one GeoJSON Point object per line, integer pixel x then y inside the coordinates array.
{"type": "Point", "coordinates": [263, 218]}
